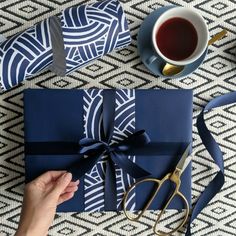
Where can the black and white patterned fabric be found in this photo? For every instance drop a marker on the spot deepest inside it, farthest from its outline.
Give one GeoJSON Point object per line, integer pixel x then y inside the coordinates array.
{"type": "Point", "coordinates": [124, 69]}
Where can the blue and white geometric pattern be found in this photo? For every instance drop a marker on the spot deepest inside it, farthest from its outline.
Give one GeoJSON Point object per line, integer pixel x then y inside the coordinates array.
{"type": "Point", "coordinates": [25, 54]}
{"type": "Point", "coordinates": [89, 32]}
{"type": "Point", "coordinates": [94, 179]}
{"type": "Point", "coordinates": [124, 126]}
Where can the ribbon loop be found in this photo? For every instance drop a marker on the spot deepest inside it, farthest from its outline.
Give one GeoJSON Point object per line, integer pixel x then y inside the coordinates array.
{"type": "Point", "coordinates": [117, 151]}
{"type": "Point", "coordinates": [137, 139]}
{"type": "Point", "coordinates": [89, 145]}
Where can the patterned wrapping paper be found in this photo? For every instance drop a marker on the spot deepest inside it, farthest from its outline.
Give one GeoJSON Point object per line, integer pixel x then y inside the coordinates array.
{"type": "Point", "coordinates": [123, 127]}
{"type": "Point", "coordinates": [88, 31]}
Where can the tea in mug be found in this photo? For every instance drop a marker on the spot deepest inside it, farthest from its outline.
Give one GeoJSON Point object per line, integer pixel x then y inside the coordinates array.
{"type": "Point", "coordinates": [177, 38]}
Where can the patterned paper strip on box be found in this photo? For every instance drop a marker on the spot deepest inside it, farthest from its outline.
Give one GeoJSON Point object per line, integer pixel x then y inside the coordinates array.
{"type": "Point", "coordinates": [123, 126]}
{"type": "Point", "coordinates": [61, 126]}
{"type": "Point", "coordinates": [65, 43]}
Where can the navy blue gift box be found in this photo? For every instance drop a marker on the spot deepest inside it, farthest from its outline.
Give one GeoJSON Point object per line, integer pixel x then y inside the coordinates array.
{"type": "Point", "coordinates": [57, 122]}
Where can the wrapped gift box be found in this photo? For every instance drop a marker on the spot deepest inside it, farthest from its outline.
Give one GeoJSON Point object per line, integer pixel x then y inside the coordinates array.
{"type": "Point", "coordinates": [56, 120]}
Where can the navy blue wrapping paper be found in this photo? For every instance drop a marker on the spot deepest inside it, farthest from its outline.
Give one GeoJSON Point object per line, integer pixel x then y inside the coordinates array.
{"type": "Point", "coordinates": [58, 116]}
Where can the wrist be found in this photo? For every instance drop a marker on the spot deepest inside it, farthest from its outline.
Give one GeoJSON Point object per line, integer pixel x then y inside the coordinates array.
{"type": "Point", "coordinates": [23, 232]}
{"type": "Point", "coordinates": [27, 231]}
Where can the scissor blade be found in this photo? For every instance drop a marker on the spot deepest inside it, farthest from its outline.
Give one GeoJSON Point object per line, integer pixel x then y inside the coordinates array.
{"type": "Point", "coordinates": [182, 160]}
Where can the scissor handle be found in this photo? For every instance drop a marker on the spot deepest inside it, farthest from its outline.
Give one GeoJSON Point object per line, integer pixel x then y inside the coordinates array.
{"type": "Point", "coordinates": [175, 193]}
{"type": "Point", "coordinates": [126, 196]}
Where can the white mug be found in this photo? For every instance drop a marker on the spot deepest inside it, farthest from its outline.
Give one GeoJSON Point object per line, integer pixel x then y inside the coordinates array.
{"type": "Point", "coordinates": [200, 26]}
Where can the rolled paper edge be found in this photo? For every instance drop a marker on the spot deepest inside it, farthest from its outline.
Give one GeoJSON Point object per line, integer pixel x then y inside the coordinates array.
{"type": "Point", "coordinates": [2, 39]}
{"type": "Point", "coordinates": [126, 25]}
{"type": "Point", "coordinates": [58, 65]}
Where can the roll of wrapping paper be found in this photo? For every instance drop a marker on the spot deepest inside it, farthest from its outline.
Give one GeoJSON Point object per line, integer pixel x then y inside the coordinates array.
{"type": "Point", "coordinates": [64, 43]}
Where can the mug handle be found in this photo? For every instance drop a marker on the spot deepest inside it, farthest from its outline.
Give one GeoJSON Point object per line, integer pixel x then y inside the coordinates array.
{"type": "Point", "coordinates": [151, 59]}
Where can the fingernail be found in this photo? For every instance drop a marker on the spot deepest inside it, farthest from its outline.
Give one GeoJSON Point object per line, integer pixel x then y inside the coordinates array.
{"type": "Point", "coordinates": [77, 181]}
{"type": "Point", "coordinates": [66, 175]}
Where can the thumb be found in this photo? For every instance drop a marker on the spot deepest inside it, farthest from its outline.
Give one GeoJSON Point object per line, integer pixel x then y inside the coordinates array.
{"type": "Point", "coordinates": [61, 183]}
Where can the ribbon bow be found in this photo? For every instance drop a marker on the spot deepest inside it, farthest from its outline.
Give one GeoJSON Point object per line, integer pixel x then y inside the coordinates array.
{"type": "Point", "coordinates": [96, 149]}
{"type": "Point", "coordinates": [117, 154]}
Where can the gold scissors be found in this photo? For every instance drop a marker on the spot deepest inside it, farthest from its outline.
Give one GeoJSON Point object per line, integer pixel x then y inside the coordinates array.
{"type": "Point", "coordinates": [173, 177]}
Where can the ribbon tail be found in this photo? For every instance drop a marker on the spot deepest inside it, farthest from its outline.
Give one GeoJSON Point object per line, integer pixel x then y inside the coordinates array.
{"type": "Point", "coordinates": [214, 186]}
{"type": "Point", "coordinates": [82, 166]}
{"type": "Point", "coordinates": [214, 150]}
{"type": "Point", "coordinates": [110, 187]}
{"type": "Point", "coordinates": [128, 166]}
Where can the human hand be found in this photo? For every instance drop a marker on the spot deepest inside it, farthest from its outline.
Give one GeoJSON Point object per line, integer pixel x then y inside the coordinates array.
{"type": "Point", "coordinates": [41, 197]}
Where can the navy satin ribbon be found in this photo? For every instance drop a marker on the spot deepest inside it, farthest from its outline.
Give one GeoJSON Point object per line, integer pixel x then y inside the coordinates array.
{"type": "Point", "coordinates": [71, 148]}
{"type": "Point", "coordinates": [214, 150]}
